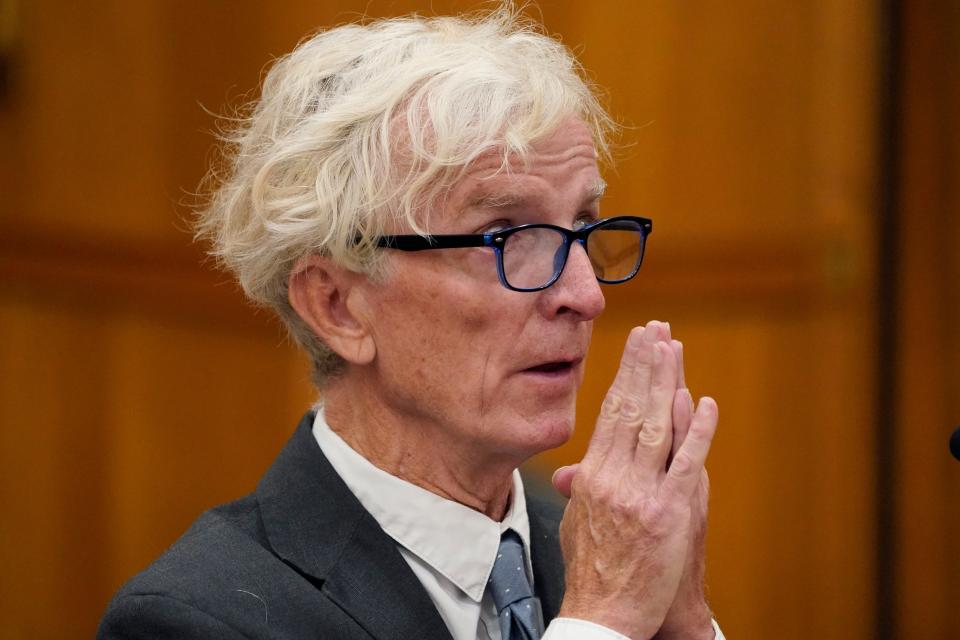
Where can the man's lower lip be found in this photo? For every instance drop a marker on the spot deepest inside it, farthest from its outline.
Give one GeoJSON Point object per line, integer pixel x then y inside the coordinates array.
{"type": "Point", "coordinates": [554, 374]}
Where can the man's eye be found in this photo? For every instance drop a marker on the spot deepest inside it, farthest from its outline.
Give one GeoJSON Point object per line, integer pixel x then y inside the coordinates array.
{"type": "Point", "coordinates": [493, 227]}
{"type": "Point", "coordinates": [584, 221]}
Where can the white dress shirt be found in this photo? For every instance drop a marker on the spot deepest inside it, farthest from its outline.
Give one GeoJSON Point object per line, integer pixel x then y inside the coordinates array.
{"type": "Point", "coordinates": [449, 547]}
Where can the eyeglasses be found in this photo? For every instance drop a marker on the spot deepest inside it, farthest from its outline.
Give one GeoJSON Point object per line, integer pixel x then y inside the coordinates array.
{"type": "Point", "coordinates": [531, 257]}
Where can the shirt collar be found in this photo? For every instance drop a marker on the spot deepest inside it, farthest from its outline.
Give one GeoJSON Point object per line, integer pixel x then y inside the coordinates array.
{"type": "Point", "coordinates": [456, 541]}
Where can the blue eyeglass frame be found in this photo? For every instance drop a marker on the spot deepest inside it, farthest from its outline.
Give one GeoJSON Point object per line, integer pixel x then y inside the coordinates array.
{"type": "Point", "coordinates": [496, 240]}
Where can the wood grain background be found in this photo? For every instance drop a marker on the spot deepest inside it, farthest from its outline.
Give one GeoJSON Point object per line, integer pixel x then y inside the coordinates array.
{"type": "Point", "coordinates": [137, 388]}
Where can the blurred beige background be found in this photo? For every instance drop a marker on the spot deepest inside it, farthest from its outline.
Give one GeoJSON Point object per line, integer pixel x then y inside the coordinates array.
{"type": "Point", "coordinates": [801, 161]}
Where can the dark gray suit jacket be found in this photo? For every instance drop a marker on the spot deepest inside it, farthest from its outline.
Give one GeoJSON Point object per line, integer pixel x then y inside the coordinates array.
{"type": "Point", "coordinates": [299, 558]}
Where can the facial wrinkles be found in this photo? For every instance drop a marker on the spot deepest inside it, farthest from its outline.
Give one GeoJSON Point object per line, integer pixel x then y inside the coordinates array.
{"type": "Point", "coordinates": [443, 472]}
{"type": "Point", "coordinates": [492, 201]}
{"type": "Point", "coordinates": [396, 456]}
{"type": "Point", "coordinates": [415, 358]}
{"type": "Point", "coordinates": [483, 385]}
{"type": "Point", "coordinates": [489, 498]}
{"type": "Point", "coordinates": [543, 171]}
{"type": "Point", "coordinates": [537, 170]}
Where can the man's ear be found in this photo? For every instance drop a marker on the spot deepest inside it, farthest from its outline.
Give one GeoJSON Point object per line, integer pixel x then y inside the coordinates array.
{"type": "Point", "coordinates": [328, 299]}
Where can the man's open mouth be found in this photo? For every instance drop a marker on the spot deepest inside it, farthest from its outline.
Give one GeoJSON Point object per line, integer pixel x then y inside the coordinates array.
{"type": "Point", "coordinates": [552, 367]}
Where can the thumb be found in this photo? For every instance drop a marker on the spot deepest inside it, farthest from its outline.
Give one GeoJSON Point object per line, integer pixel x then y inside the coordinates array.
{"type": "Point", "coordinates": [563, 478]}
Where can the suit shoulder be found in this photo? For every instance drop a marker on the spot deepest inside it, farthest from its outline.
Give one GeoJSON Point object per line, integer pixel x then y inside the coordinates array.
{"type": "Point", "coordinates": [223, 579]}
{"type": "Point", "coordinates": [222, 556]}
{"type": "Point", "coordinates": [160, 616]}
{"type": "Point", "coordinates": [220, 536]}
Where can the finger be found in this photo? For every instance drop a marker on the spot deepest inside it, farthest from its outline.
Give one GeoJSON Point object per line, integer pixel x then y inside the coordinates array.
{"type": "Point", "coordinates": [677, 347]}
{"type": "Point", "coordinates": [656, 437]}
{"type": "Point", "coordinates": [683, 402]}
{"type": "Point", "coordinates": [635, 403]}
{"type": "Point", "coordinates": [622, 410]}
{"type": "Point", "coordinates": [664, 331]}
{"type": "Point", "coordinates": [563, 479]}
{"type": "Point", "coordinates": [605, 429]}
{"type": "Point", "coordinates": [684, 474]}
{"type": "Point", "coordinates": [682, 415]}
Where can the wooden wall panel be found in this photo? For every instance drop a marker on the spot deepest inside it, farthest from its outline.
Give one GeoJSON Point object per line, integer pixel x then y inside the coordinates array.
{"type": "Point", "coordinates": [927, 561]}
{"type": "Point", "coordinates": [53, 501]}
{"type": "Point", "coordinates": [92, 97]}
{"type": "Point", "coordinates": [155, 392]}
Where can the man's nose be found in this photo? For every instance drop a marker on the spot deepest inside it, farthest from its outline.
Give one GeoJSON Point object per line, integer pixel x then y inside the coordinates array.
{"type": "Point", "coordinates": [577, 289]}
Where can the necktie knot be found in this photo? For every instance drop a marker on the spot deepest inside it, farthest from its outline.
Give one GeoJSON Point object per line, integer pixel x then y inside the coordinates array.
{"type": "Point", "coordinates": [520, 615]}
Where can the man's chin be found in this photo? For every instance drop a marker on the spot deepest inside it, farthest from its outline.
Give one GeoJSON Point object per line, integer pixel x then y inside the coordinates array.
{"type": "Point", "coordinates": [550, 433]}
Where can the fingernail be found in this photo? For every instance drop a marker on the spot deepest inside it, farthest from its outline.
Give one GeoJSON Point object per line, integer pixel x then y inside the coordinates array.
{"type": "Point", "coordinates": [650, 332]}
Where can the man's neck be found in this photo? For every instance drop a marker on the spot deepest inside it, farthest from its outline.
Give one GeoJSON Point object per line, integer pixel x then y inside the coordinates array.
{"type": "Point", "coordinates": [420, 452]}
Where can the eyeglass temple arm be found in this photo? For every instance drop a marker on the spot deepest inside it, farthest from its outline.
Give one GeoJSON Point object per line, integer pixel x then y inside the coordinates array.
{"type": "Point", "coordinates": [421, 243]}
{"type": "Point", "coordinates": [414, 242]}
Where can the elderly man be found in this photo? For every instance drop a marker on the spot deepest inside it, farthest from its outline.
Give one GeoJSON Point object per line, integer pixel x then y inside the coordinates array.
{"type": "Point", "coordinates": [419, 201]}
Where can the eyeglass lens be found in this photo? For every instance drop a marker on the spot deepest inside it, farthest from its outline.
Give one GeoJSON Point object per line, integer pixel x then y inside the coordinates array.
{"type": "Point", "coordinates": [615, 251]}
{"type": "Point", "coordinates": [533, 256]}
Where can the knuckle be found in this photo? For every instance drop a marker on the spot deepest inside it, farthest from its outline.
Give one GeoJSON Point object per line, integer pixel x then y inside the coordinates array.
{"type": "Point", "coordinates": [658, 520]}
{"type": "Point", "coordinates": [585, 479]}
{"type": "Point", "coordinates": [682, 464]}
{"type": "Point", "coordinates": [587, 470]}
{"type": "Point", "coordinates": [623, 506]}
{"type": "Point", "coordinates": [599, 492]}
{"type": "Point", "coordinates": [578, 485]}
{"type": "Point", "coordinates": [631, 412]}
{"type": "Point", "coordinates": [656, 513]}
{"type": "Point", "coordinates": [651, 434]}
{"type": "Point", "coordinates": [612, 402]}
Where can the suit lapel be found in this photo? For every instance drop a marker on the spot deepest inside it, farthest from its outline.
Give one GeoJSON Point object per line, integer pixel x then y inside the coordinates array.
{"type": "Point", "coordinates": [548, 572]}
{"type": "Point", "coordinates": [317, 526]}
{"type": "Point", "coordinates": [376, 586]}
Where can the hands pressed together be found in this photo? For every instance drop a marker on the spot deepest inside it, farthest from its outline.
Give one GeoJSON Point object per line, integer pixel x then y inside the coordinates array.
{"type": "Point", "coordinates": [634, 530]}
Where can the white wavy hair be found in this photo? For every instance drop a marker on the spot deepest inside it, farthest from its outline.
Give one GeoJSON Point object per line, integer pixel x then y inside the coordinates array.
{"type": "Point", "coordinates": [364, 125]}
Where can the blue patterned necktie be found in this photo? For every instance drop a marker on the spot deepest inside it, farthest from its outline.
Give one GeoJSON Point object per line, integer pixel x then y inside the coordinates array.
{"type": "Point", "coordinates": [518, 609]}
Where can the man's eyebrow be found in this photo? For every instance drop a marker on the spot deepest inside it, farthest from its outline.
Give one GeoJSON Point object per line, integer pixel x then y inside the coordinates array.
{"type": "Point", "coordinates": [597, 191]}
{"type": "Point", "coordinates": [502, 200]}
{"type": "Point", "coordinates": [499, 200]}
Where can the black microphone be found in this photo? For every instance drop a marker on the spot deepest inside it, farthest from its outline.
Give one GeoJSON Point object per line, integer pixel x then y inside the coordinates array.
{"type": "Point", "coordinates": [955, 443]}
